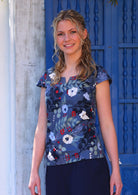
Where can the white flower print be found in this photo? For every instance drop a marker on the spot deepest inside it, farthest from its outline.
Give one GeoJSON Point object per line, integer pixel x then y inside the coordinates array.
{"type": "Point", "coordinates": [73, 91]}
{"type": "Point", "coordinates": [83, 115]}
{"type": "Point", "coordinates": [67, 139]}
{"type": "Point", "coordinates": [86, 95]}
{"type": "Point", "coordinates": [52, 75]}
{"type": "Point", "coordinates": [99, 146]}
{"type": "Point", "coordinates": [52, 136]}
{"type": "Point", "coordinates": [50, 156]}
{"type": "Point", "coordinates": [64, 108]}
{"type": "Point", "coordinates": [94, 84]}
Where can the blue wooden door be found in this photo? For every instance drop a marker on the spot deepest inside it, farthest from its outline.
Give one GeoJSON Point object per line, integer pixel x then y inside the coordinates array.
{"type": "Point", "coordinates": [114, 39]}
{"type": "Point", "coordinates": [128, 94]}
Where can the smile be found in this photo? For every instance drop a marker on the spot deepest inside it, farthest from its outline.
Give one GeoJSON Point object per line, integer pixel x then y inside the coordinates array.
{"type": "Point", "coordinates": [69, 45]}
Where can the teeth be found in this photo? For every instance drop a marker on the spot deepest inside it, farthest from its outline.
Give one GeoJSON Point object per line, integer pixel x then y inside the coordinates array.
{"type": "Point", "coordinates": [68, 45]}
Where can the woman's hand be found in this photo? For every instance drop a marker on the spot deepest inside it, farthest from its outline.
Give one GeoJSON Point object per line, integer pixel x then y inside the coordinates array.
{"type": "Point", "coordinates": [115, 180]}
{"type": "Point", "coordinates": [34, 182]}
{"type": "Point", "coordinates": [38, 146]}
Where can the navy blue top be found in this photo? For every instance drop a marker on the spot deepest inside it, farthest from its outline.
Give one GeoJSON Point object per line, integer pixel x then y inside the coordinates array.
{"type": "Point", "coordinates": [71, 117]}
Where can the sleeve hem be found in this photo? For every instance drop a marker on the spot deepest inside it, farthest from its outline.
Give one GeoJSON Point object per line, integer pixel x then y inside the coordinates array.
{"type": "Point", "coordinates": [106, 79]}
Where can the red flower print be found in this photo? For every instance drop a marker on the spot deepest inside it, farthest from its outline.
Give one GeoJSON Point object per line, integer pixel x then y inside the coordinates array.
{"type": "Point", "coordinates": [64, 114]}
{"type": "Point", "coordinates": [73, 77]}
{"type": "Point", "coordinates": [89, 130]}
{"type": "Point", "coordinates": [67, 157]}
{"type": "Point", "coordinates": [73, 113]}
{"type": "Point", "coordinates": [76, 155]}
{"type": "Point", "coordinates": [62, 131]}
{"type": "Point", "coordinates": [69, 129]}
{"type": "Point", "coordinates": [45, 75]}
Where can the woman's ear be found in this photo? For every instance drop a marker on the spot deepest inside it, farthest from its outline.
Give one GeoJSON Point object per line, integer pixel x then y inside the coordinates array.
{"type": "Point", "coordinates": [85, 34]}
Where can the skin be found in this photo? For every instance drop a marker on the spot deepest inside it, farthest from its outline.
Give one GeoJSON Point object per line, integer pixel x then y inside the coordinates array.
{"type": "Point", "coordinates": [69, 41]}
{"type": "Point", "coordinates": [108, 133]}
{"type": "Point", "coordinates": [38, 146]}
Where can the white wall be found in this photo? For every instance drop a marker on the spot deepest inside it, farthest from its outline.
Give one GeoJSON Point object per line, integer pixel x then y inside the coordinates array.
{"type": "Point", "coordinates": [7, 99]}
{"type": "Point", "coordinates": [30, 63]}
{"type": "Point", "coordinates": [5, 160]}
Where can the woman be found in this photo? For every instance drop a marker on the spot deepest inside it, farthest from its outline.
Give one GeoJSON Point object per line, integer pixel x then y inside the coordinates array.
{"type": "Point", "coordinates": [74, 89]}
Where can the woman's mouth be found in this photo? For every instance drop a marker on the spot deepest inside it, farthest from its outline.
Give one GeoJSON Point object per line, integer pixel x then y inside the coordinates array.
{"type": "Point", "coordinates": [68, 45]}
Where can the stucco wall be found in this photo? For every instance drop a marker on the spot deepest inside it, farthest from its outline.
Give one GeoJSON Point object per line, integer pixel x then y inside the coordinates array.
{"type": "Point", "coordinates": [30, 63]}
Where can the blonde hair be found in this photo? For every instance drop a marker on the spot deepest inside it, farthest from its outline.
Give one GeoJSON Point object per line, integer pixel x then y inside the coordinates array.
{"type": "Point", "coordinates": [86, 62]}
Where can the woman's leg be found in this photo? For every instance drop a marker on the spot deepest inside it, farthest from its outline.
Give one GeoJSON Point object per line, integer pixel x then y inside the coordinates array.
{"type": "Point", "coordinates": [90, 177]}
{"type": "Point", "coordinates": [86, 177]}
{"type": "Point", "coordinates": [57, 180]}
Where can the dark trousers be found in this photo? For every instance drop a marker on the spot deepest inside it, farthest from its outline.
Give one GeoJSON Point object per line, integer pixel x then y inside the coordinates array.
{"type": "Point", "coordinates": [86, 177]}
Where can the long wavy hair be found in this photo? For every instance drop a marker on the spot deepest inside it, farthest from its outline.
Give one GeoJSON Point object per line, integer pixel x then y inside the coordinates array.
{"type": "Point", "coordinates": [86, 63]}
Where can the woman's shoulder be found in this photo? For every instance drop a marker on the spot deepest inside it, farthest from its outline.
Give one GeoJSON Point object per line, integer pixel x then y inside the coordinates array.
{"type": "Point", "coordinates": [99, 68]}
{"type": "Point", "coordinates": [48, 74]}
{"type": "Point", "coordinates": [102, 74]}
{"type": "Point", "coordinates": [50, 70]}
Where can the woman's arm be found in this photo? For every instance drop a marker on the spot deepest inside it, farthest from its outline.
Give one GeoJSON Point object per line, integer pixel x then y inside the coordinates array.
{"type": "Point", "coordinates": [108, 133]}
{"type": "Point", "coordinates": [38, 146]}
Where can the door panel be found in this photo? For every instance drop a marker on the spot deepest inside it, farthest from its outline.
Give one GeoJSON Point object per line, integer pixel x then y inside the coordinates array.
{"type": "Point", "coordinates": [114, 39]}
{"type": "Point", "coordinates": [128, 95]}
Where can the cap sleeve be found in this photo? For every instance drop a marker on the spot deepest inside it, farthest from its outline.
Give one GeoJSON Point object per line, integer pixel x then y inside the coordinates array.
{"type": "Point", "coordinates": [42, 81]}
{"type": "Point", "coordinates": [102, 75]}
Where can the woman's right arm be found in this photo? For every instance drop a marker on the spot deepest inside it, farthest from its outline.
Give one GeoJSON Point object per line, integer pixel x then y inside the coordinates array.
{"type": "Point", "coordinates": [38, 146]}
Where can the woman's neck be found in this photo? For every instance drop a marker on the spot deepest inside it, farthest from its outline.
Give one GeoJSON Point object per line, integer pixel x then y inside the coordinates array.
{"type": "Point", "coordinates": [71, 62]}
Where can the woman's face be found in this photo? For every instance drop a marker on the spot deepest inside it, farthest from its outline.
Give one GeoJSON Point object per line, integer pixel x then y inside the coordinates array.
{"type": "Point", "coordinates": [68, 38]}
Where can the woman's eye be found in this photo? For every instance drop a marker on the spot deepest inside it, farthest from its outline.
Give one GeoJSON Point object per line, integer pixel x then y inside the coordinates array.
{"type": "Point", "coordinates": [60, 34]}
{"type": "Point", "coordinates": [73, 32]}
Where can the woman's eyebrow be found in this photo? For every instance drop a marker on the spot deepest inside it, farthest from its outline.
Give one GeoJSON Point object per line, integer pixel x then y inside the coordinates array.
{"type": "Point", "coordinates": [73, 29]}
{"type": "Point", "coordinates": [68, 30]}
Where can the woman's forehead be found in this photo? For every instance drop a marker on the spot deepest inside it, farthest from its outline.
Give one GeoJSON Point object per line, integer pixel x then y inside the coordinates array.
{"type": "Point", "coordinates": [66, 24]}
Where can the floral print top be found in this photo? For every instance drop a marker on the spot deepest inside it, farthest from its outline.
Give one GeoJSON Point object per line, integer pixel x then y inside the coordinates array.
{"type": "Point", "coordinates": [71, 117]}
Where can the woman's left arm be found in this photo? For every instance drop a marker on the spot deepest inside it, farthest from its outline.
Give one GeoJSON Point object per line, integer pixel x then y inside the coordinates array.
{"type": "Point", "coordinates": [108, 132]}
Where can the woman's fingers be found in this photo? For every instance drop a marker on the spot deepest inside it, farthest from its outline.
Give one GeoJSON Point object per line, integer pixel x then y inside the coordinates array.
{"type": "Point", "coordinates": [116, 182]}
{"type": "Point", "coordinates": [111, 187]}
{"type": "Point", "coordinates": [32, 188]}
{"type": "Point", "coordinates": [39, 187]}
{"type": "Point", "coordinates": [34, 182]}
{"type": "Point", "coordinates": [118, 188]}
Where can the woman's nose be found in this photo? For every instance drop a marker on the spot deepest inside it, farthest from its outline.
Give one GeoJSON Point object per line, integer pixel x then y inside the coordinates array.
{"type": "Point", "coordinates": [66, 37]}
